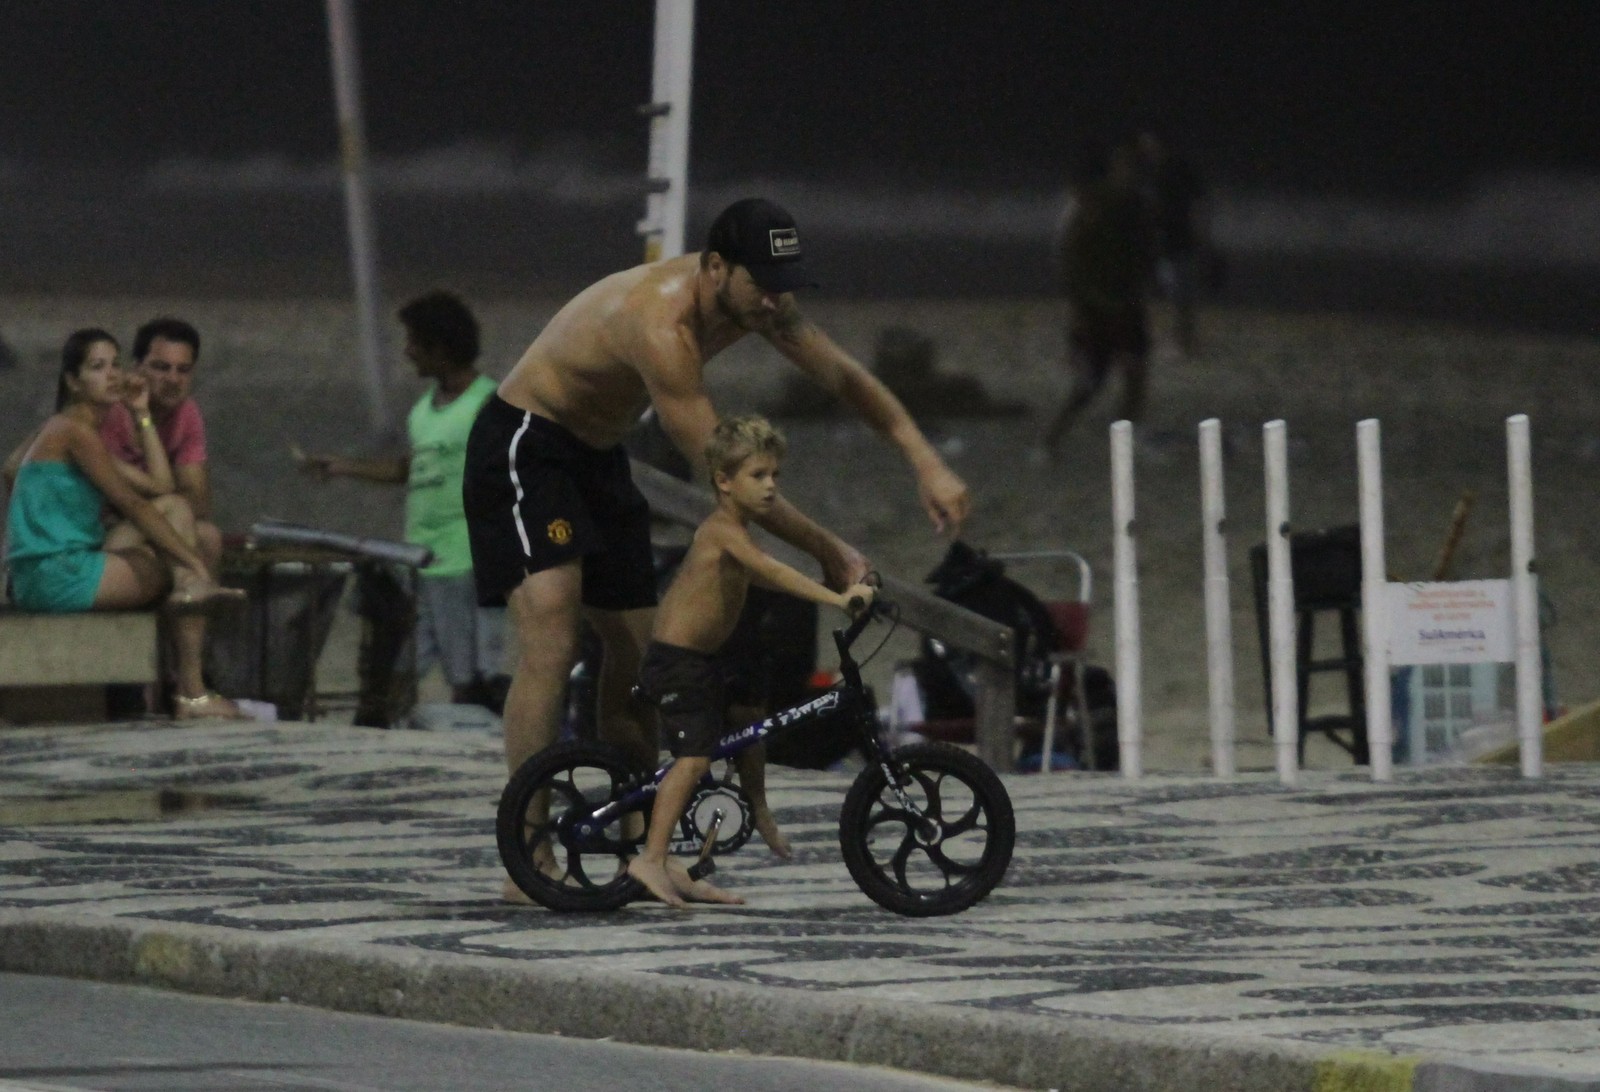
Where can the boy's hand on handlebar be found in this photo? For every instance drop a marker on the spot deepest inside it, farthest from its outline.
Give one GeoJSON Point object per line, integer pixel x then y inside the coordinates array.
{"type": "Point", "coordinates": [857, 598]}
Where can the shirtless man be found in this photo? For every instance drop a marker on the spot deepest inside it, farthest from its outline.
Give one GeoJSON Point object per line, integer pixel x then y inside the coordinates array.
{"type": "Point", "coordinates": [557, 524]}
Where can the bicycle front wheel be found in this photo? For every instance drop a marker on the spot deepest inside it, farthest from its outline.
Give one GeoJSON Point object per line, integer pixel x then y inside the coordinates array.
{"type": "Point", "coordinates": [552, 848]}
{"type": "Point", "coordinates": [944, 852]}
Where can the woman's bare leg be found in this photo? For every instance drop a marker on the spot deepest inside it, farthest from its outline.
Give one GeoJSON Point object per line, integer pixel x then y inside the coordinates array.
{"type": "Point", "coordinates": [184, 632]}
{"type": "Point", "coordinates": [134, 577]}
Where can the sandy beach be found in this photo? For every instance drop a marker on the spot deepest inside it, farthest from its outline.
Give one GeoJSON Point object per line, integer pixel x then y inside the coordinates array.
{"type": "Point", "coordinates": [281, 371]}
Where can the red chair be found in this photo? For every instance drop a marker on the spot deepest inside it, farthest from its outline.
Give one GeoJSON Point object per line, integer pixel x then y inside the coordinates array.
{"type": "Point", "coordinates": [1070, 620]}
{"type": "Point", "coordinates": [1070, 617]}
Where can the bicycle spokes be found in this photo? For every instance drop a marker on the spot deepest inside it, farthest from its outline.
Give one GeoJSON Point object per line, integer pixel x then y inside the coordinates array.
{"type": "Point", "coordinates": [568, 822]}
{"type": "Point", "coordinates": [928, 832]}
{"type": "Point", "coordinates": [927, 846]}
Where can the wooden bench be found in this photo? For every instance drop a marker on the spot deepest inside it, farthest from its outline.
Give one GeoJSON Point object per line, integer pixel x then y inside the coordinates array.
{"type": "Point", "coordinates": [55, 667]}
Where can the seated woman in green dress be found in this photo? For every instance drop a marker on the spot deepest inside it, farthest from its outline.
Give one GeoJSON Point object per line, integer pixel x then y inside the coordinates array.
{"type": "Point", "coordinates": [59, 555]}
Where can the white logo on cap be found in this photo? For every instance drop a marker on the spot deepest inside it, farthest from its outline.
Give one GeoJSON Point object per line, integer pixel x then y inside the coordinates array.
{"type": "Point", "coordinates": [785, 242]}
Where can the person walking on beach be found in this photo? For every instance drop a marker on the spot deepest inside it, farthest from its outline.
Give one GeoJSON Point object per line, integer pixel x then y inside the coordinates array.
{"type": "Point", "coordinates": [1107, 260]}
{"type": "Point", "coordinates": [558, 527]}
{"type": "Point", "coordinates": [1185, 261]}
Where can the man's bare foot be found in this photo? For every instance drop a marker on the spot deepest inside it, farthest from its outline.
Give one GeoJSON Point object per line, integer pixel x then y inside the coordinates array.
{"type": "Point", "coordinates": [767, 826]}
{"type": "Point", "coordinates": [657, 881]}
{"type": "Point", "coordinates": [697, 890]}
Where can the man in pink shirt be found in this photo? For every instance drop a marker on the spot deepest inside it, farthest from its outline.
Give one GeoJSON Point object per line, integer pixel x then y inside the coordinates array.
{"type": "Point", "coordinates": [165, 352]}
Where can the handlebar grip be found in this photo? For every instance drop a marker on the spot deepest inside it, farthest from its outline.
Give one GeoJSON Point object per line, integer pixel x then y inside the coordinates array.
{"type": "Point", "coordinates": [855, 604]}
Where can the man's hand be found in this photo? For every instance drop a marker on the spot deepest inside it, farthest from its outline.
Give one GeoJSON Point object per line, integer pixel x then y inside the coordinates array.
{"type": "Point", "coordinates": [944, 498]}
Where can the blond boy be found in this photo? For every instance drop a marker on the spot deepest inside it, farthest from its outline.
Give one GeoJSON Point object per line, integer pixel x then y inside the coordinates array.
{"type": "Point", "coordinates": [680, 671]}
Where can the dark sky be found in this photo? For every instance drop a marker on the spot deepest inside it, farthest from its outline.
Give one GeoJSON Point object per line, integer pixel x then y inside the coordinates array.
{"type": "Point", "coordinates": [1404, 98]}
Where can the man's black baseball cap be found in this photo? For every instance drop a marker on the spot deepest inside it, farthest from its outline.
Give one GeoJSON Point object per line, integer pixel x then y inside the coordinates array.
{"type": "Point", "coordinates": [762, 237]}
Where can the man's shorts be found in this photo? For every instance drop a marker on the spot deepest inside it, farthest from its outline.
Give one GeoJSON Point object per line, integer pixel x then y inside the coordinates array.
{"type": "Point", "coordinates": [536, 497]}
{"type": "Point", "coordinates": [687, 686]}
{"type": "Point", "coordinates": [452, 630]}
{"type": "Point", "coordinates": [66, 582]}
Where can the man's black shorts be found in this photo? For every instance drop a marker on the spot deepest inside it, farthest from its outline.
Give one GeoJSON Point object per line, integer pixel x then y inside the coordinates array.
{"type": "Point", "coordinates": [536, 497]}
{"type": "Point", "coordinates": [687, 686]}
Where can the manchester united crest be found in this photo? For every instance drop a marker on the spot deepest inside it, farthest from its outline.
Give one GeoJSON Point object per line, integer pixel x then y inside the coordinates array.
{"type": "Point", "coordinates": [560, 532]}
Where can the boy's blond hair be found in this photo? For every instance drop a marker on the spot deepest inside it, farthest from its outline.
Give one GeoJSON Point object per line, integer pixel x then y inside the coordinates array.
{"type": "Point", "coordinates": [735, 439]}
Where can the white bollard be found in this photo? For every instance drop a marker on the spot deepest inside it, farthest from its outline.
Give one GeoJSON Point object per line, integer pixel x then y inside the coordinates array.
{"type": "Point", "coordinates": [1280, 605]}
{"type": "Point", "coordinates": [1125, 586]}
{"type": "Point", "coordinates": [1525, 598]}
{"type": "Point", "coordinates": [1374, 600]}
{"type": "Point", "coordinates": [1219, 617]}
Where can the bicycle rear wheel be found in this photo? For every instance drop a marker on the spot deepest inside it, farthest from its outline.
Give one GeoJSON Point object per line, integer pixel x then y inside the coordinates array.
{"type": "Point", "coordinates": [551, 849]}
{"type": "Point", "coordinates": [944, 853]}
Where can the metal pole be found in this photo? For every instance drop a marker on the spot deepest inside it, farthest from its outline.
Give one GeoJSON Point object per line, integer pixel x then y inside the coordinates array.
{"type": "Point", "coordinates": [1525, 597]}
{"type": "Point", "coordinates": [668, 111]}
{"type": "Point", "coordinates": [1219, 614]}
{"type": "Point", "coordinates": [1130, 709]}
{"type": "Point", "coordinates": [1280, 605]}
{"type": "Point", "coordinates": [358, 207]}
{"type": "Point", "coordinates": [1375, 600]}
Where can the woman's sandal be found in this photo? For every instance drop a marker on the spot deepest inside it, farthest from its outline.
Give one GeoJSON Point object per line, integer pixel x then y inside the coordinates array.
{"type": "Point", "coordinates": [208, 706]}
{"type": "Point", "coordinates": [194, 595]}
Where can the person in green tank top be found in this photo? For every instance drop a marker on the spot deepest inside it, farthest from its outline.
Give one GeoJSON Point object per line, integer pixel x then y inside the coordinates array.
{"type": "Point", "coordinates": [59, 556]}
{"type": "Point", "coordinates": [466, 640]}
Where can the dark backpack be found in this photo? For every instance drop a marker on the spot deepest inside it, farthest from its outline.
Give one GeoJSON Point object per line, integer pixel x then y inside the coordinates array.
{"type": "Point", "coordinates": [974, 580]}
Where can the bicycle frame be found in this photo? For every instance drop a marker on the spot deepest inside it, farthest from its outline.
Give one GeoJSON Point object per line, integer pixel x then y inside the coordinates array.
{"type": "Point", "coordinates": [924, 830]}
{"type": "Point", "coordinates": [849, 699]}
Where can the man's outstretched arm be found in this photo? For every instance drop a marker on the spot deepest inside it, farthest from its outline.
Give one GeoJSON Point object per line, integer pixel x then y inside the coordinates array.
{"type": "Point", "coordinates": [688, 418]}
{"type": "Point", "coordinates": [943, 494]}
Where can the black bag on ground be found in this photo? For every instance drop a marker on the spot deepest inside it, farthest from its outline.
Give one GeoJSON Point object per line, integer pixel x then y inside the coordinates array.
{"type": "Point", "coordinates": [946, 676]}
{"type": "Point", "coordinates": [974, 580]}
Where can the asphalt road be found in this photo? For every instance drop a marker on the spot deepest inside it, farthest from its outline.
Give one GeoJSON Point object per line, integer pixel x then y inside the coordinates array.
{"type": "Point", "coordinates": [58, 1033]}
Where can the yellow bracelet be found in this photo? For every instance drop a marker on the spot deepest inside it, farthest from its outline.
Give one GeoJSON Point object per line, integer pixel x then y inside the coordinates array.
{"type": "Point", "coordinates": [146, 422]}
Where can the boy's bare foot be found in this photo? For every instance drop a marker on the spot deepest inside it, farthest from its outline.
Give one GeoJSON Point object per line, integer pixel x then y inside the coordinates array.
{"type": "Point", "coordinates": [656, 880]}
{"type": "Point", "coordinates": [510, 892]}
{"type": "Point", "coordinates": [697, 890]}
{"type": "Point", "coordinates": [767, 826]}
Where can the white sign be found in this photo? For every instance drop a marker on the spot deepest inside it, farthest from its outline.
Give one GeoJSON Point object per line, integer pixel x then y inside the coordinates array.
{"type": "Point", "coordinates": [1454, 622]}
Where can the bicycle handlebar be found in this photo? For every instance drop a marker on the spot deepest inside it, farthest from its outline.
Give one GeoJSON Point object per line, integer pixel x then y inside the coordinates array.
{"type": "Point", "coordinates": [844, 638]}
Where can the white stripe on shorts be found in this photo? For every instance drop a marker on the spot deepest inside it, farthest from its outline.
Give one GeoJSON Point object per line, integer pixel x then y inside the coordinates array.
{"type": "Point", "coordinates": [516, 483]}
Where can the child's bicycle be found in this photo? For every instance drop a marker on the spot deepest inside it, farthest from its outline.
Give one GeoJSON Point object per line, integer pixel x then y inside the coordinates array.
{"type": "Point", "coordinates": [925, 829]}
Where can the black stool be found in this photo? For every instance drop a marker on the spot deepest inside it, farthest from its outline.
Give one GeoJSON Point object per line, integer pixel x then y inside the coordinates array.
{"type": "Point", "coordinates": [1326, 566]}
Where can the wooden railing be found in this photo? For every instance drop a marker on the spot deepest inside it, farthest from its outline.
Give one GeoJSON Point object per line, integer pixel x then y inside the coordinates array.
{"type": "Point", "coordinates": [921, 610]}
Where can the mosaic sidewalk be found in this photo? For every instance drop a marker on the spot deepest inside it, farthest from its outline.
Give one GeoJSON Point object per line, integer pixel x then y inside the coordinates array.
{"type": "Point", "coordinates": [1452, 916]}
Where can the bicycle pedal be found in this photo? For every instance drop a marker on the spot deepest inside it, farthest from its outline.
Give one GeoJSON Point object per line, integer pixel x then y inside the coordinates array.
{"type": "Point", "coordinates": [705, 863]}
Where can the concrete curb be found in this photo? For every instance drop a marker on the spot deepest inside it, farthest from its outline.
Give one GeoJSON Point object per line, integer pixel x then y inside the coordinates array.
{"type": "Point", "coordinates": [1018, 1050]}
{"type": "Point", "coordinates": [477, 991]}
